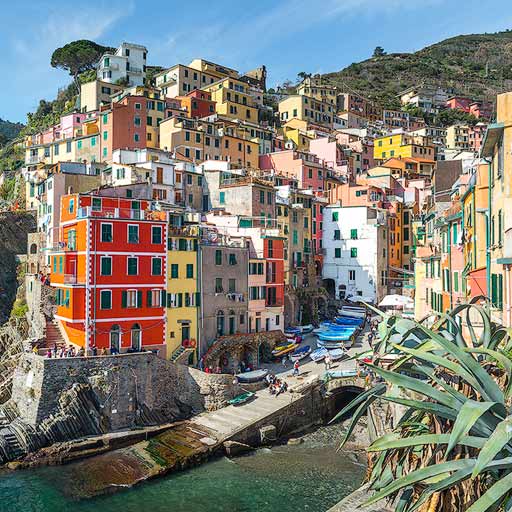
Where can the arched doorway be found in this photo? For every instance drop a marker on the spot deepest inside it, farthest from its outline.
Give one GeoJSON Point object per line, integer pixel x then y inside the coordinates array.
{"type": "Point", "coordinates": [33, 249]}
{"type": "Point", "coordinates": [136, 337]}
{"type": "Point", "coordinates": [220, 323]}
{"type": "Point", "coordinates": [115, 339]}
{"type": "Point", "coordinates": [330, 286]}
{"type": "Point", "coordinates": [232, 322]}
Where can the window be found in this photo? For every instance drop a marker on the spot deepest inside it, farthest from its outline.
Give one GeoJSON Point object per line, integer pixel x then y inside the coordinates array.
{"type": "Point", "coordinates": [106, 232]}
{"type": "Point", "coordinates": [71, 205]}
{"type": "Point", "coordinates": [455, 281]}
{"type": "Point", "coordinates": [335, 216]}
{"type": "Point", "coordinates": [156, 266]}
{"type": "Point", "coordinates": [133, 266]}
{"type": "Point", "coordinates": [353, 234]}
{"type": "Point", "coordinates": [262, 197]}
{"type": "Point", "coordinates": [232, 259]}
{"type": "Point", "coordinates": [218, 285]}
{"type": "Point", "coordinates": [337, 234]}
{"type": "Point", "coordinates": [156, 234]}
{"type": "Point", "coordinates": [131, 299]}
{"type": "Point", "coordinates": [68, 146]}
{"type": "Point", "coordinates": [222, 197]}
{"type": "Point", "coordinates": [232, 285]}
{"type": "Point", "coordinates": [106, 266]}
{"type": "Point", "coordinates": [133, 234]}
{"type": "Point", "coordinates": [136, 121]}
{"type": "Point", "coordinates": [136, 137]}
{"type": "Point", "coordinates": [174, 271]}
{"type": "Point", "coordinates": [154, 298]}
{"type": "Point", "coordinates": [106, 299]}
{"type": "Point", "coordinates": [78, 145]}
{"type": "Point", "coordinates": [218, 257]}
{"type": "Point", "coordinates": [353, 252]}
{"type": "Point", "coordinates": [337, 252]}
{"type": "Point", "coordinates": [295, 237]}
{"type": "Point", "coordinates": [190, 270]}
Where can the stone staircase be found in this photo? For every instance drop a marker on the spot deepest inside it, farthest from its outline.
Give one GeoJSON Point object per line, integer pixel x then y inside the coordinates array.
{"type": "Point", "coordinates": [53, 335]}
{"type": "Point", "coordinates": [181, 355]}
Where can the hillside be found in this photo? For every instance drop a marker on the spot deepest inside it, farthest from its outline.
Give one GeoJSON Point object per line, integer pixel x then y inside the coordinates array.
{"type": "Point", "coordinates": [8, 130]}
{"type": "Point", "coordinates": [477, 65]}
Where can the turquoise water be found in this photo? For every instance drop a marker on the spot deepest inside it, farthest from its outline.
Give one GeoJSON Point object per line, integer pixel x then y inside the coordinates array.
{"type": "Point", "coordinates": [307, 477]}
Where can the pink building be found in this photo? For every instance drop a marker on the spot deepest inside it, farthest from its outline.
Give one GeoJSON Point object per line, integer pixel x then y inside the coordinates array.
{"type": "Point", "coordinates": [307, 168]}
{"type": "Point", "coordinates": [476, 136]}
{"type": "Point", "coordinates": [331, 153]}
{"type": "Point", "coordinates": [481, 109]}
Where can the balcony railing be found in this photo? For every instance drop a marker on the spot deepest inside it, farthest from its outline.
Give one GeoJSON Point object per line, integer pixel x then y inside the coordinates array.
{"type": "Point", "coordinates": [71, 279]}
{"type": "Point", "coordinates": [34, 159]}
{"type": "Point", "coordinates": [120, 213]}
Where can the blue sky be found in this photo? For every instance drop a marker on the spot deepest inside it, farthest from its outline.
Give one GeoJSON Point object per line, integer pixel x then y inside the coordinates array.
{"type": "Point", "coordinates": [288, 36]}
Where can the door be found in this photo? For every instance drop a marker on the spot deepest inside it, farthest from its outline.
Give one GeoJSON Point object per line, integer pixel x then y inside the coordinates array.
{"type": "Point", "coordinates": [185, 334]}
{"type": "Point", "coordinates": [231, 325]}
{"type": "Point", "coordinates": [258, 324]}
{"type": "Point", "coordinates": [136, 339]}
{"type": "Point", "coordinates": [115, 339]}
{"type": "Point", "coordinates": [267, 324]}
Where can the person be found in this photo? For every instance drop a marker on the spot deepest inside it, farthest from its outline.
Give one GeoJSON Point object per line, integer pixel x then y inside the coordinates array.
{"type": "Point", "coordinates": [62, 352]}
{"type": "Point", "coordinates": [103, 352]}
{"type": "Point", "coordinates": [296, 368]}
{"type": "Point", "coordinates": [95, 350]}
{"type": "Point", "coordinates": [207, 369]}
{"type": "Point", "coordinates": [55, 350]}
{"type": "Point", "coordinates": [284, 360]}
{"type": "Point", "coordinates": [327, 361]}
{"type": "Point", "coordinates": [272, 389]}
{"type": "Point", "coordinates": [242, 367]}
{"type": "Point", "coordinates": [49, 353]}
{"type": "Point", "coordinates": [81, 352]}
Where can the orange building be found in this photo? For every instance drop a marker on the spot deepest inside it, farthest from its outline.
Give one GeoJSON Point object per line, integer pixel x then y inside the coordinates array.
{"type": "Point", "coordinates": [109, 271]}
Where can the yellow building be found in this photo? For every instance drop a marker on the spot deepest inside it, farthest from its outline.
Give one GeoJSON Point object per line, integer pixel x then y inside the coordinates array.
{"type": "Point", "coordinates": [307, 109]}
{"type": "Point", "coordinates": [404, 145]}
{"type": "Point", "coordinates": [232, 99]}
{"type": "Point", "coordinates": [297, 131]}
{"type": "Point", "coordinates": [457, 137]}
{"type": "Point", "coordinates": [314, 88]}
{"type": "Point", "coordinates": [182, 293]}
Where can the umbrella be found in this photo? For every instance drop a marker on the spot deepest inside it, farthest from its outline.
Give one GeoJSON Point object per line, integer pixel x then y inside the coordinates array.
{"type": "Point", "coordinates": [359, 298]}
{"type": "Point", "coordinates": [395, 300]}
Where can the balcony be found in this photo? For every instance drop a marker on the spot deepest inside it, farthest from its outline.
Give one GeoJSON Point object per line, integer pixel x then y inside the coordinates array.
{"type": "Point", "coordinates": [110, 67]}
{"type": "Point", "coordinates": [134, 70]}
{"type": "Point", "coordinates": [120, 213]}
{"type": "Point", "coordinates": [34, 159]}
{"type": "Point", "coordinates": [73, 279]}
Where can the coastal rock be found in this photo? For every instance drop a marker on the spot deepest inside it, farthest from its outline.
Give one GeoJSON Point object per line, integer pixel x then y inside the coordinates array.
{"type": "Point", "coordinates": [234, 448]}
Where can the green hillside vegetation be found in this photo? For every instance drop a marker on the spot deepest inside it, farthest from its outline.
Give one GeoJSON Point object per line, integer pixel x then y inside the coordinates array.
{"type": "Point", "coordinates": [477, 65]}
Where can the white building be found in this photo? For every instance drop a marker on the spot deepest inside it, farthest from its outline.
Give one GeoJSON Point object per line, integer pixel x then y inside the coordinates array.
{"type": "Point", "coordinates": [428, 98]}
{"type": "Point", "coordinates": [145, 165]}
{"type": "Point", "coordinates": [354, 240]}
{"type": "Point", "coordinates": [127, 63]}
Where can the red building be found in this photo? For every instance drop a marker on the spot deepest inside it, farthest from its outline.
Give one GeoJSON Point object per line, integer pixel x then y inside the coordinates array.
{"type": "Point", "coordinates": [198, 103]}
{"type": "Point", "coordinates": [273, 253]}
{"type": "Point", "coordinates": [109, 271]}
{"type": "Point", "coordinates": [459, 103]}
{"type": "Point", "coordinates": [481, 109]}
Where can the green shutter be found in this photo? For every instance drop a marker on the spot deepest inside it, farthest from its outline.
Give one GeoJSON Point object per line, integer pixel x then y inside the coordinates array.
{"type": "Point", "coordinates": [163, 296]}
{"type": "Point", "coordinates": [139, 299]}
{"type": "Point", "coordinates": [148, 299]}
{"type": "Point", "coordinates": [190, 270]}
{"type": "Point", "coordinates": [124, 298]}
{"type": "Point", "coordinates": [169, 298]}
{"type": "Point", "coordinates": [198, 299]}
{"type": "Point", "coordinates": [180, 299]}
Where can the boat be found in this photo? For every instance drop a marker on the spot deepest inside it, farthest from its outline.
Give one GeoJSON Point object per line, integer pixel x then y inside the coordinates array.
{"type": "Point", "coordinates": [318, 354]}
{"type": "Point", "coordinates": [252, 376]}
{"type": "Point", "coordinates": [337, 354]}
{"type": "Point", "coordinates": [342, 373]}
{"type": "Point", "coordinates": [307, 329]}
{"type": "Point", "coordinates": [336, 335]}
{"type": "Point", "coordinates": [352, 311]}
{"type": "Point", "coordinates": [292, 331]}
{"type": "Point", "coordinates": [301, 353]}
{"type": "Point", "coordinates": [348, 320]}
{"type": "Point", "coordinates": [241, 399]}
{"type": "Point", "coordinates": [283, 349]}
{"type": "Point", "coordinates": [335, 344]}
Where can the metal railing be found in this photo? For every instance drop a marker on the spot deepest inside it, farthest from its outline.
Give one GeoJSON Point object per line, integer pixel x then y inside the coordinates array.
{"type": "Point", "coordinates": [120, 213]}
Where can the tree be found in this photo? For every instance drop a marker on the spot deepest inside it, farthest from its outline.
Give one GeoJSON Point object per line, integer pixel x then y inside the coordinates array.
{"type": "Point", "coordinates": [77, 57]}
{"type": "Point", "coordinates": [303, 75]}
{"type": "Point", "coordinates": [379, 52]}
{"type": "Point", "coordinates": [451, 448]}
{"type": "Point", "coordinates": [451, 116]}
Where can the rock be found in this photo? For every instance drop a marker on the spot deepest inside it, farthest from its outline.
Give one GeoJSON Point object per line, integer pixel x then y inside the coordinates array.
{"type": "Point", "coordinates": [234, 448]}
{"type": "Point", "coordinates": [294, 441]}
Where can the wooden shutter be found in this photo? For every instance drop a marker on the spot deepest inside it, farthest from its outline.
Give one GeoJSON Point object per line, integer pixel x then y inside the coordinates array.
{"type": "Point", "coordinates": [148, 299]}
{"type": "Point", "coordinates": [124, 298]}
{"type": "Point", "coordinates": [139, 298]}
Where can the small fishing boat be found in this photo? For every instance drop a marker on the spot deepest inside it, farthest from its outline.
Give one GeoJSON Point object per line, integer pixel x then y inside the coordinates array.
{"type": "Point", "coordinates": [337, 354]}
{"type": "Point", "coordinates": [241, 399]}
{"type": "Point", "coordinates": [342, 373]}
{"type": "Point", "coordinates": [318, 354]}
{"type": "Point", "coordinates": [307, 329]}
{"type": "Point", "coordinates": [352, 311]}
{"type": "Point", "coordinates": [344, 345]}
{"type": "Point", "coordinates": [283, 349]}
{"type": "Point", "coordinates": [292, 331]}
{"type": "Point", "coordinates": [301, 353]}
{"type": "Point", "coordinates": [348, 320]}
{"type": "Point", "coordinates": [336, 335]}
{"type": "Point", "coordinates": [252, 376]}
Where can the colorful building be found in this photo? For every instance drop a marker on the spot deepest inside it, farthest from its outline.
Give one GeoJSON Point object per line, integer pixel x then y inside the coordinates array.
{"type": "Point", "coordinates": [109, 270]}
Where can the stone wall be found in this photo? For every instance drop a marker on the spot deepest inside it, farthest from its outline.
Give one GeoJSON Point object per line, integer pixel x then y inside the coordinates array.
{"type": "Point", "coordinates": [128, 388]}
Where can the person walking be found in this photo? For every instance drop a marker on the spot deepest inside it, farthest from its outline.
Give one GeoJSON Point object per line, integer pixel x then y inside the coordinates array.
{"type": "Point", "coordinates": [284, 360]}
{"type": "Point", "coordinates": [296, 369]}
{"type": "Point", "coordinates": [327, 361]}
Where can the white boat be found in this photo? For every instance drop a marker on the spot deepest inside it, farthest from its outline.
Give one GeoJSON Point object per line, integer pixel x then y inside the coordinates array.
{"type": "Point", "coordinates": [305, 329]}
{"type": "Point", "coordinates": [352, 311]}
{"type": "Point", "coordinates": [301, 353]}
{"type": "Point", "coordinates": [334, 344]}
{"type": "Point", "coordinates": [337, 354]}
{"type": "Point", "coordinates": [318, 354]}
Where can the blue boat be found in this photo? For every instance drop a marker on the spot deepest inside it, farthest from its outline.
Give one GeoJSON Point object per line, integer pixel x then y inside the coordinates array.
{"type": "Point", "coordinates": [336, 335]}
{"type": "Point", "coordinates": [319, 354]}
{"type": "Point", "coordinates": [301, 353]}
{"type": "Point", "coordinates": [347, 320]}
{"type": "Point", "coordinates": [336, 327]}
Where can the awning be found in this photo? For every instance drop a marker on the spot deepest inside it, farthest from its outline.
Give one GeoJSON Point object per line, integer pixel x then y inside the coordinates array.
{"type": "Point", "coordinates": [492, 136]}
{"type": "Point", "coordinates": [504, 261]}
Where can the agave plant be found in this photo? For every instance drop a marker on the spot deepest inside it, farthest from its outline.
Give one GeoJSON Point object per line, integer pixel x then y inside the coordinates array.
{"type": "Point", "coordinates": [451, 449]}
